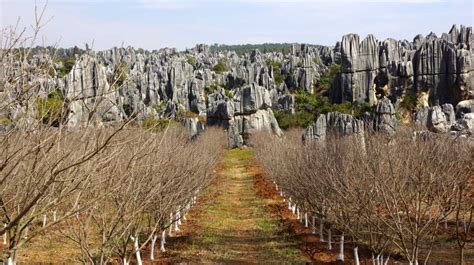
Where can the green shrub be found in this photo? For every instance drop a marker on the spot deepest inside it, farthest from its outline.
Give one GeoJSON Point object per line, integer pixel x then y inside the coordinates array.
{"type": "Point", "coordinates": [327, 79]}
{"type": "Point", "coordinates": [220, 67]}
{"type": "Point", "coordinates": [160, 107]}
{"type": "Point", "coordinates": [157, 125]}
{"type": "Point", "coordinates": [5, 121]}
{"type": "Point", "coordinates": [191, 60]}
{"type": "Point", "coordinates": [228, 93]}
{"type": "Point", "coordinates": [66, 67]}
{"type": "Point", "coordinates": [127, 109]}
{"type": "Point", "coordinates": [51, 109]}
{"type": "Point", "coordinates": [308, 106]}
{"type": "Point", "coordinates": [278, 77]}
{"type": "Point", "coordinates": [286, 120]}
{"type": "Point", "coordinates": [211, 88]}
{"type": "Point", "coordinates": [410, 100]}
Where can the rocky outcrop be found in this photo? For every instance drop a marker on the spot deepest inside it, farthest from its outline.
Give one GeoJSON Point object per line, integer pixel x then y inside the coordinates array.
{"type": "Point", "coordinates": [248, 111]}
{"type": "Point", "coordinates": [334, 123]}
{"type": "Point", "coordinates": [441, 67]}
{"type": "Point", "coordinates": [384, 117]}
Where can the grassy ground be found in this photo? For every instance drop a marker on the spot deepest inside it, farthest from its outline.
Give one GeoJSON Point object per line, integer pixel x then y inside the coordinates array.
{"type": "Point", "coordinates": [235, 226]}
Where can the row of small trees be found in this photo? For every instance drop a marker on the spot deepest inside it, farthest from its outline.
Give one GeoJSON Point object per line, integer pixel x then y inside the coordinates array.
{"type": "Point", "coordinates": [391, 195]}
{"type": "Point", "coordinates": [109, 191]}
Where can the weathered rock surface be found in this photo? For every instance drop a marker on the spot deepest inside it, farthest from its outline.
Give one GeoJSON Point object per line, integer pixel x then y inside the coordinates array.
{"type": "Point", "coordinates": [442, 67]}
{"type": "Point", "coordinates": [334, 123]}
{"type": "Point", "coordinates": [384, 117]}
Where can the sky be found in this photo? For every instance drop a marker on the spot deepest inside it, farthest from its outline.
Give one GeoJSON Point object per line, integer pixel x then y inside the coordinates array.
{"type": "Point", "coordinates": [154, 24]}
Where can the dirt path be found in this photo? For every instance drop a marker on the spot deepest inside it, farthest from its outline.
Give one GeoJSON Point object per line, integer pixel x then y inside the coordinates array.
{"type": "Point", "coordinates": [232, 224]}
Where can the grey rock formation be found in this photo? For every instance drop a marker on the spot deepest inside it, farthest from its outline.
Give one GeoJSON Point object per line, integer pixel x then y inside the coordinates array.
{"type": "Point", "coordinates": [442, 67]}
{"type": "Point", "coordinates": [384, 117]}
{"type": "Point", "coordinates": [193, 125]}
{"type": "Point", "coordinates": [465, 106]}
{"type": "Point", "coordinates": [334, 123]}
{"type": "Point", "coordinates": [437, 120]}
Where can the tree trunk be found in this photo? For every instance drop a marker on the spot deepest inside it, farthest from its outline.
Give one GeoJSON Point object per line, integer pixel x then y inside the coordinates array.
{"type": "Point", "coordinates": [152, 247]}
{"type": "Point", "coordinates": [124, 261]}
{"type": "Point", "coordinates": [171, 225]}
{"type": "Point", "coordinates": [329, 238]}
{"type": "Point", "coordinates": [163, 241]}
{"type": "Point", "coordinates": [356, 256]}
{"type": "Point", "coordinates": [306, 220]}
{"type": "Point", "coordinates": [176, 223]}
{"type": "Point", "coordinates": [341, 249]}
{"type": "Point", "coordinates": [313, 225]}
{"type": "Point", "coordinates": [44, 220]}
{"type": "Point", "coordinates": [461, 256]}
{"type": "Point", "coordinates": [5, 236]}
{"type": "Point", "coordinates": [321, 229]}
{"type": "Point", "coordinates": [137, 251]}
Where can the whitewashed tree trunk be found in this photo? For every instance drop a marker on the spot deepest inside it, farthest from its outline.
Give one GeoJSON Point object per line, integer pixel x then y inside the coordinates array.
{"type": "Point", "coordinates": [289, 205]}
{"type": "Point", "coordinates": [178, 213]}
{"type": "Point", "coordinates": [163, 241]}
{"type": "Point", "coordinates": [321, 229]}
{"type": "Point", "coordinates": [386, 262]}
{"type": "Point", "coordinates": [152, 247]}
{"type": "Point", "coordinates": [298, 215]}
{"type": "Point", "coordinates": [137, 250]}
{"type": "Point", "coordinates": [313, 225]}
{"type": "Point", "coordinates": [356, 256]}
{"type": "Point", "coordinates": [10, 261]}
{"type": "Point", "coordinates": [306, 220]}
{"type": "Point", "coordinates": [170, 233]}
{"type": "Point", "coordinates": [329, 238]}
{"type": "Point", "coordinates": [5, 235]}
{"type": "Point", "coordinates": [176, 224]}
{"type": "Point", "coordinates": [341, 248]}
{"type": "Point", "coordinates": [44, 220]}
{"type": "Point", "coordinates": [124, 261]}
{"type": "Point", "coordinates": [54, 216]}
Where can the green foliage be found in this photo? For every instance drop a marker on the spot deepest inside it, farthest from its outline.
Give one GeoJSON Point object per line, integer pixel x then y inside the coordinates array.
{"type": "Point", "coordinates": [5, 121]}
{"type": "Point", "coordinates": [211, 88]}
{"type": "Point", "coordinates": [309, 106]}
{"type": "Point", "coordinates": [157, 125]}
{"type": "Point", "coordinates": [220, 67]}
{"type": "Point", "coordinates": [66, 67]}
{"type": "Point", "coordinates": [410, 100]}
{"type": "Point", "coordinates": [228, 93]}
{"type": "Point", "coordinates": [51, 109]}
{"type": "Point", "coordinates": [326, 80]}
{"type": "Point", "coordinates": [286, 120]}
{"type": "Point", "coordinates": [191, 60]}
{"type": "Point", "coordinates": [127, 109]}
{"type": "Point", "coordinates": [276, 71]}
{"type": "Point", "coordinates": [160, 107]}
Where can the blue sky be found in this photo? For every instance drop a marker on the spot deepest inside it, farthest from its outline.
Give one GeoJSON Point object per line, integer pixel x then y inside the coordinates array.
{"type": "Point", "coordinates": [153, 24]}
